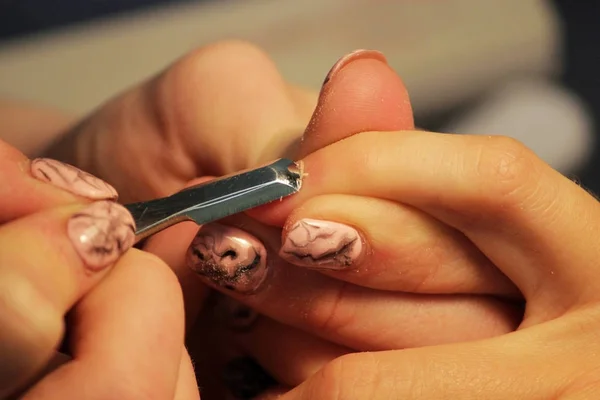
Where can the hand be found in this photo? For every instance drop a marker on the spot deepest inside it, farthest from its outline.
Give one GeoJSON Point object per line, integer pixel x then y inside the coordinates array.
{"type": "Point", "coordinates": [66, 257]}
{"type": "Point", "coordinates": [539, 228]}
{"type": "Point", "coordinates": [401, 281]}
{"type": "Point", "coordinates": [217, 110]}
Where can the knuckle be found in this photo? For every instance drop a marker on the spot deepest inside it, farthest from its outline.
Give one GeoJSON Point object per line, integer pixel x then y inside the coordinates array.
{"type": "Point", "coordinates": [204, 64]}
{"type": "Point", "coordinates": [505, 171]}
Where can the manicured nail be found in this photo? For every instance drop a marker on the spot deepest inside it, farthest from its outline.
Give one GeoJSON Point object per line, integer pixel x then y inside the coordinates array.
{"type": "Point", "coordinates": [101, 233]}
{"type": "Point", "coordinates": [229, 257]}
{"type": "Point", "coordinates": [322, 245]}
{"type": "Point", "coordinates": [350, 57]}
{"type": "Point", "coordinates": [233, 314]}
{"type": "Point", "coordinates": [72, 179]}
{"type": "Point", "coordinates": [246, 379]}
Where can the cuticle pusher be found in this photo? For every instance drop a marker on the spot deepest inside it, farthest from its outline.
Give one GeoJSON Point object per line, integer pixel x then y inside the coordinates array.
{"type": "Point", "coordinates": [219, 198]}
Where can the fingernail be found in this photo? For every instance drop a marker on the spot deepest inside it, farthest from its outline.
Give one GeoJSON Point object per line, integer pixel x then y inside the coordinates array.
{"type": "Point", "coordinates": [229, 257]}
{"type": "Point", "coordinates": [322, 245]}
{"type": "Point", "coordinates": [101, 233]}
{"type": "Point", "coordinates": [246, 379]}
{"type": "Point", "coordinates": [351, 57]}
{"type": "Point", "coordinates": [72, 179]}
{"type": "Point", "coordinates": [233, 314]}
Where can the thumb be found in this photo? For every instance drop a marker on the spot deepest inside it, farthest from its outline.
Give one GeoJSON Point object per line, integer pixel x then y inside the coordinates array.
{"type": "Point", "coordinates": [360, 93]}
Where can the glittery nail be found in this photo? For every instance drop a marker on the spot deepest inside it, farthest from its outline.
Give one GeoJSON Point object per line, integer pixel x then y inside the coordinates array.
{"type": "Point", "coordinates": [229, 257]}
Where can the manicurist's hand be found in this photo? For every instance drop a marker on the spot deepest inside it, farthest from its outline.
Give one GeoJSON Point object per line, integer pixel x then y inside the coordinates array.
{"type": "Point", "coordinates": [79, 309]}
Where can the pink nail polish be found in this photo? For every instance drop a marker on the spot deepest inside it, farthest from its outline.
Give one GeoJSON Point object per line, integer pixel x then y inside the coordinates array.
{"type": "Point", "coordinates": [322, 245]}
{"type": "Point", "coordinates": [101, 233]}
{"type": "Point", "coordinates": [351, 57]}
{"type": "Point", "coordinates": [229, 257]}
{"type": "Point", "coordinates": [72, 179]}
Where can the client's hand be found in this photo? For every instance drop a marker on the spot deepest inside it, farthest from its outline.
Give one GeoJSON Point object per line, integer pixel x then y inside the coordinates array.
{"type": "Point", "coordinates": [536, 226]}
{"type": "Point", "coordinates": [65, 251]}
{"type": "Point", "coordinates": [356, 269]}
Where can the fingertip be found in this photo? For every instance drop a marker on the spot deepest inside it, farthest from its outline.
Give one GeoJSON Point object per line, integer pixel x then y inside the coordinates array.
{"type": "Point", "coordinates": [361, 93]}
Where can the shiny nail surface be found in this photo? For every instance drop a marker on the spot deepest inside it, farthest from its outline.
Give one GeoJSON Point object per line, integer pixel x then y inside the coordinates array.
{"type": "Point", "coordinates": [233, 314]}
{"type": "Point", "coordinates": [229, 257]}
{"type": "Point", "coordinates": [246, 379]}
{"type": "Point", "coordinates": [322, 245]}
{"type": "Point", "coordinates": [72, 179]}
{"type": "Point", "coordinates": [351, 57]}
{"type": "Point", "coordinates": [101, 233]}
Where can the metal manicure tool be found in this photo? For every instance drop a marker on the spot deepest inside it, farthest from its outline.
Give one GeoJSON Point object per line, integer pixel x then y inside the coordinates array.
{"type": "Point", "coordinates": [218, 198]}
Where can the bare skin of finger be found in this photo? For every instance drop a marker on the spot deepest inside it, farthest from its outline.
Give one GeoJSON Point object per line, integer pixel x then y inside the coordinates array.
{"type": "Point", "coordinates": [389, 246]}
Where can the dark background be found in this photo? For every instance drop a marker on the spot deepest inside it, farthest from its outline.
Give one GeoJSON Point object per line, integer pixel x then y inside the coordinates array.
{"type": "Point", "coordinates": [581, 20]}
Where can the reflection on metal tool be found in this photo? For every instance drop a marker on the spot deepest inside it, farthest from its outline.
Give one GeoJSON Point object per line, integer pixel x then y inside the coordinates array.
{"type": "Point", "coordinates": [219, 198]}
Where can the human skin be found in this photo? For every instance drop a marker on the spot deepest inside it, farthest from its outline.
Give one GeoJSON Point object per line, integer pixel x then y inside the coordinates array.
{"type": "Point", "coordinates": [66, 267]}
{"type": "Point", "coordinates": [374, 110]}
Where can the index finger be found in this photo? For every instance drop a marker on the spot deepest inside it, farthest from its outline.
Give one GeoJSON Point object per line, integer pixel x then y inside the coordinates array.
{"type": "Point", "coordinates": [29, 186]}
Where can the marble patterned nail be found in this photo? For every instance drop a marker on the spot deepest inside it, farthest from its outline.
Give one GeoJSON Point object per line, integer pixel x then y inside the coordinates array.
{"type": "Point", "coordinates": [246, 379]}
{"type": "Point", "coordinates": [233, 314]}
{"type": "Point", "coordinates": [229, 257]}
{"type": "Point", "coordinates": [72, 179]}
{"type": "Point", "coordinates": [101, 233]}
{"type": "Point", "coordinates": [322, 245]}
{"type": "Point", "coordinates": [351, 57]}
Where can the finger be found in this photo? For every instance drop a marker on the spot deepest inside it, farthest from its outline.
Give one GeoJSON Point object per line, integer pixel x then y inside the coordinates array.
{"type": "Point", "coordinates": [406, 251]}
{"type": "Point", "coordinates": [119, 332]}
{"type": "Point", "coordinates": [49, 260]}
{"type": "Point", "coordinates": [170, 245]}
{"type": "Point", "coordinates": [238, 264]}
{"type": "Point", "coordinates": [188, 110]}
{"type": "Point", "coordinates": [186, 387]}
{"type": "Point", "coordinates": [31, 186]}
{"type": "Point", "coordinates": [510, 204]}
{"type": "Point", "coordinates": [360, 93]}
{"type": "Point", "coordinates": [468, 370]}
{"type": "Point", "coordinates": [286, 353]}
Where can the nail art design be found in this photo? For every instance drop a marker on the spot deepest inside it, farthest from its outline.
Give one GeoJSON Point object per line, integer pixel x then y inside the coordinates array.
{"type": "Point", "coordinates": [323, 245]}
{"type": "Point", "coordinates": [355, 55]}
{"type": "Point", "coordinates": [101, 233]}
{"type": "Point", "coordinates": [246, 379]}
{"type": "Point", "coordinates": [233, 314]}
{"type": "Point", "coordinates": [229, 257]}
{"type": "Point", "coordinates": [72, 179]}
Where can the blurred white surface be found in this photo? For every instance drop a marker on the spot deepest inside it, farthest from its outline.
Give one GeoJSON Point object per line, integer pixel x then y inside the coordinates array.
{"type": "Point", "coordinates": [545, 117]}
{"type": "Point", "coordinates": [446, 51]}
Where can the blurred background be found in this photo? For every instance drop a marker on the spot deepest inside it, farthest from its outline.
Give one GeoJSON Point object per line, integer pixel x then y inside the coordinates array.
{"type": "Point", "coordinates": [524, 68]}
